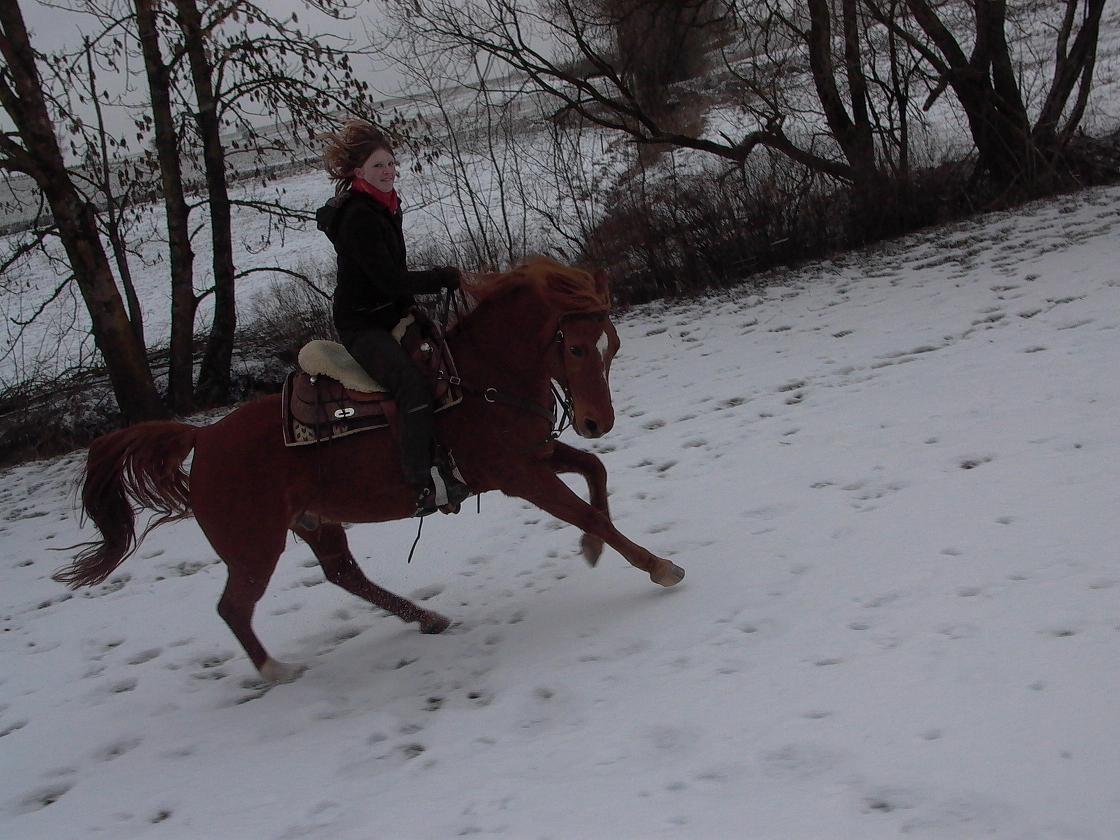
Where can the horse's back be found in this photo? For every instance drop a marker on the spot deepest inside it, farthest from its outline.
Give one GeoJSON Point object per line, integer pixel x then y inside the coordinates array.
{"type": "Point", "coordinates": [240, 461]}
{"type": "Point", "coordinates": [252, 429]}
{"type": "Point", "coordinates": [242, 468]}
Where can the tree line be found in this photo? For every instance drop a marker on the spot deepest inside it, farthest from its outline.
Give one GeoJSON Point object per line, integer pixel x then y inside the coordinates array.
{"type": "Point", "coordinates": [838, 88]}
{"type": "Point", "coordinates": [766, 132]}
{"type": "Point", "coordinates": [842, 91]}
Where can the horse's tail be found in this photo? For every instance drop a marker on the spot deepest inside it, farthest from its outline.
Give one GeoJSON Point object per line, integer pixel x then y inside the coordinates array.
{"type": "Point", "coordinates": [137, 467]}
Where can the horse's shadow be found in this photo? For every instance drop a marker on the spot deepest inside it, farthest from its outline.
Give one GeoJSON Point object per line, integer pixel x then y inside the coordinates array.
{"type": "Point", "coordinates": [471, 639]}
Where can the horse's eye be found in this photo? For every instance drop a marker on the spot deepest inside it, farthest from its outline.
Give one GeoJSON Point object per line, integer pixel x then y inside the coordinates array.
{"type": "Point", "coordinates": [576, 351]}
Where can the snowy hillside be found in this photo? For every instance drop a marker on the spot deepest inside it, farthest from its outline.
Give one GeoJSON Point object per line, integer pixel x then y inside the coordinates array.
{"type": "Point", "coordinates": [894, 483]}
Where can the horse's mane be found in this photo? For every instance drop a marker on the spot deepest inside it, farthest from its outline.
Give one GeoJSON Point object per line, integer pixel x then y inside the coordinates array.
{"type": "Point", "coordinates": [564, 288]}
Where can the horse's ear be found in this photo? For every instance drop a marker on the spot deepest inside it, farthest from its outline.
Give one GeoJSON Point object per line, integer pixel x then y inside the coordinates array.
{"type": "Point", "coordinates": [602, 284]}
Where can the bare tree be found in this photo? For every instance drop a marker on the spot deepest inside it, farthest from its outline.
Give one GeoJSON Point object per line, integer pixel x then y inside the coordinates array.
{"type": "Point", "coordinates": [99, 162]}
{"type": "Point", "coordinates": [244, 62]}
{"type": "Point", "coordinates": [161, 91]}
{"type": "Point", "coordinates": [972, 56]}
{"type": "Point", "coordinates": [504, 179]}
{"type": "Point", "coordinates": [214, 376]}
{"type": "Point", "coordinates": [210, 72]}
{"type": "Point", "coordinates": [661, 42]}
{"type": "Point", "coordinates": [33, 149]}
{"type": "Point", "coordinates": [574, 55]}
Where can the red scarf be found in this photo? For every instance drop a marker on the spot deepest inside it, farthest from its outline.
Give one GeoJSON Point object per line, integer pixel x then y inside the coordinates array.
{"type": "Point", "coordinates": [389, 199]}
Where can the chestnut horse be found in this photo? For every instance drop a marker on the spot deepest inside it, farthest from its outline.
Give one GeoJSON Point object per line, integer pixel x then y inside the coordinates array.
{"type": "Point", "coordinates": [541, 322]}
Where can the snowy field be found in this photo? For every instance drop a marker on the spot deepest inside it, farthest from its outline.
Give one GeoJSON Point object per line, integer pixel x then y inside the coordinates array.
{"type": "Point", "coordinates": [894, 481]}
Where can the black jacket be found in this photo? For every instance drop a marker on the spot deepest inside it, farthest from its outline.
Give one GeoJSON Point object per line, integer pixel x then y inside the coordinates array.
{"type": "Point", "coordinates": [374, 286]}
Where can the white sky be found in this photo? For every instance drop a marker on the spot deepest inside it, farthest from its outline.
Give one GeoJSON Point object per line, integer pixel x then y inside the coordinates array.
{"type": "Point", "coordinates": [53, 28]}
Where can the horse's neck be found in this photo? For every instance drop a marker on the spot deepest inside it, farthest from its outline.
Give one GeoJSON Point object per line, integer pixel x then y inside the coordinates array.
{"type": "Point", "coordinates": [505, 338]}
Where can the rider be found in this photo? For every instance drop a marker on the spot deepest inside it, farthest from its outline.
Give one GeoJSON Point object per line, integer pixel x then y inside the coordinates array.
{"type": "Point", "coordinates": [374, 292]}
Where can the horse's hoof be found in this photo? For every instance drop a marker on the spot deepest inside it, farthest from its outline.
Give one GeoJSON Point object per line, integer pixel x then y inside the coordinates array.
{"type": "Point", "coordinates": [434, 623]}
{"type": "Point", "coordinates": [592, 549]}
{"type": "Point", "coordinates": [281, 672]}
{"type": "Point", "coordinates": [670, 575]}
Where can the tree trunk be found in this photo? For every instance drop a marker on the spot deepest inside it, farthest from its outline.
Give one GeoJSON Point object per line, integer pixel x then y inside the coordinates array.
{"type": "Point", "coordinates": [181, 372]}
{"type": "Point", "coordinates": [1014, 155]}
{"type": "Point", "coordinates": [124, 356]}
{"type": "Point", "coordinates": [1073, 69]}
{"type": "Point", "coordinates": [852, 132]}
{"type": "Point", "coordinates": [214, 376]}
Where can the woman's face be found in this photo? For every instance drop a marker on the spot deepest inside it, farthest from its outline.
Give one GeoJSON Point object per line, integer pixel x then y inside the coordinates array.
{"type": "Point", "coordinates": [379, 170]}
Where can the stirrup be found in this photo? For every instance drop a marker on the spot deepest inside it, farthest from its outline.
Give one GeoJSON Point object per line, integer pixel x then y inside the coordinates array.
{"type": "Point", "coordinates": [445, 492]}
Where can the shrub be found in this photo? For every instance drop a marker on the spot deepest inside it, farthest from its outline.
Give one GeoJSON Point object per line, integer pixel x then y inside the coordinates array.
{"type": "Point", "coordinates": [40, 419]}
{"type": "Point", "coordinates": [680, 236]}
{"type": "Point", "coordinates": [290, 313]}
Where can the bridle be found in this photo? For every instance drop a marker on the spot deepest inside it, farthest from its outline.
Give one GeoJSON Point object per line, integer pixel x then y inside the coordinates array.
{"type": "Point", "coordinates": [561, 392]}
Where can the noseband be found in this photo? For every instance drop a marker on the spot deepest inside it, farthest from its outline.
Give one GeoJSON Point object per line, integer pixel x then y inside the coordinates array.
{"type": "Point", "coordinates": [563, 394]}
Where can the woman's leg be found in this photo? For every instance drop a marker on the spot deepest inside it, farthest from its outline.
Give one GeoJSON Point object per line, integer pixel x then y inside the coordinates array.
{"type": "Point", "coordinates": [384, 359]}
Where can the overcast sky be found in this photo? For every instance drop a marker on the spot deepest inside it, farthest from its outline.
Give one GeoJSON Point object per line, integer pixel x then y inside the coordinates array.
{"type": "Point", "coordinates": [53, 28]}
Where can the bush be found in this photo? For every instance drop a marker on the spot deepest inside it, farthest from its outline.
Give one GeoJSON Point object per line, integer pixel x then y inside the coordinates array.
{"type": "Point", "coordinates": [289, 314]}
{"type": "Point", "coordinates": [41, 419]}
{"type": "Point", "coordinates": [681, 236]}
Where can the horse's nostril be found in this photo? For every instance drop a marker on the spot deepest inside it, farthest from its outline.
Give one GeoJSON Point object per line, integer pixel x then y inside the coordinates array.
{"type": "Point", "coordinates": [591, 426]}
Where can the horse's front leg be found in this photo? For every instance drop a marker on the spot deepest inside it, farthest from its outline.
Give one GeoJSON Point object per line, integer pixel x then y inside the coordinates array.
{"type": "Point", "coordinates": [568, 459]}
{"type": "Point", "coordinates": [544, 489]}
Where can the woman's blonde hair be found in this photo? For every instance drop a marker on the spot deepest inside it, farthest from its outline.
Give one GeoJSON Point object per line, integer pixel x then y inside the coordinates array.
{"type": "Point", "coordinates": [350, 147]}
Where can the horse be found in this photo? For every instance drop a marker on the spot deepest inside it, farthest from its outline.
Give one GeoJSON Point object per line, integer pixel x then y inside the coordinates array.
{"type": "Point", "coordinates": [519, 332]}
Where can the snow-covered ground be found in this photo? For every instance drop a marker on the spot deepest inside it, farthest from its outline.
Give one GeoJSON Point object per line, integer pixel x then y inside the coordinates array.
{"type": "Point", "coordinates": [893, 481]}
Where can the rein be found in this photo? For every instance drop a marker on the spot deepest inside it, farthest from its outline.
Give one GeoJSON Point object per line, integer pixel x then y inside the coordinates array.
{"type": "Point", "coordinates": [493, 395]}
{"type": "Point", "coordinates": [562, 397]}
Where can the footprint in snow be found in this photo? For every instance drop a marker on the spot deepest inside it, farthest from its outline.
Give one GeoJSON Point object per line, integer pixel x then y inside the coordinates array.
{"type": "Point", "coordinates": [800, 762]}
{"type": "Point", "coordinates": [42, 797]}
{"type": "Point", "coordinates": [886, 800]}
{"type": "Point", "coordinates": [972, 462]}
{"type": "Point", "coordinates": [118, 748]}
{"type": "Point", "coordinates": [425, 593]}
{"type": "Point", "coordinates": [144, 656]}
{"type": "Point", "coordinates": [15, 726]}
{"type": "Point", "coordinates": [123, 686]}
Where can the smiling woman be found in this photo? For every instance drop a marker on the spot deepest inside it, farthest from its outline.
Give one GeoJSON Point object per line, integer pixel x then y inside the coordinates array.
{"type": "Point", "coordinates": [375, 292]}
{"type": "Point", "coordinates": [379, 170]}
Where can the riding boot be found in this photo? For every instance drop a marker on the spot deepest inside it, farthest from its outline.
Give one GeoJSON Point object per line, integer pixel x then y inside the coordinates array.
{"type": "Point", "coordinates": [443, 490]}
{"type": "Point", "coordinates": [438, 485]}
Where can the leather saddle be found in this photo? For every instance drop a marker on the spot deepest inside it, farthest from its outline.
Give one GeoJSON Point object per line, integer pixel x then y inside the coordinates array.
{"type": "Point", "coordinates": [331, 395]}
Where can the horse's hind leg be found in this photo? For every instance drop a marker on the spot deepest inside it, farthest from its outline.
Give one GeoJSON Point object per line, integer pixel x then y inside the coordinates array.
{"type": "Point", "coordinates": [250, 554]}
{"type": "Point", "coordinates": [328, 542]}
{"type": "Point", "coordinates": [244, 588]}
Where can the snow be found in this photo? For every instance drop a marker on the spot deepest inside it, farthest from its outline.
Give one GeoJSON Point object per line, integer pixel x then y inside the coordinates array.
{"type": "Point", "coordinates": [893, 481]}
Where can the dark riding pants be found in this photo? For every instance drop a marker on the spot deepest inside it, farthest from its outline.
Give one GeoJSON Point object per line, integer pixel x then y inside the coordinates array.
{"type": "Point", "coordinates": [383, 358]}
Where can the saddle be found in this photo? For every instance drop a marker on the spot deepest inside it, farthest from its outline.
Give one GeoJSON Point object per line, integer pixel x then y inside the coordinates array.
{"type": "Point", "coordinates": [331, 396]}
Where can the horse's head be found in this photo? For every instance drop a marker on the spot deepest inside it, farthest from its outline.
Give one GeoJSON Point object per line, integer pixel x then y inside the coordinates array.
{"type": "Point", "coordinates": [588, 343]}
{"type": "Point", "coordinates": [570, 307]}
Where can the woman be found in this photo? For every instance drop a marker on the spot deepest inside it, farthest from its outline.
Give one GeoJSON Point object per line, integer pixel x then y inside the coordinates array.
{"type": "Point", "coordinates": [375, 291]}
